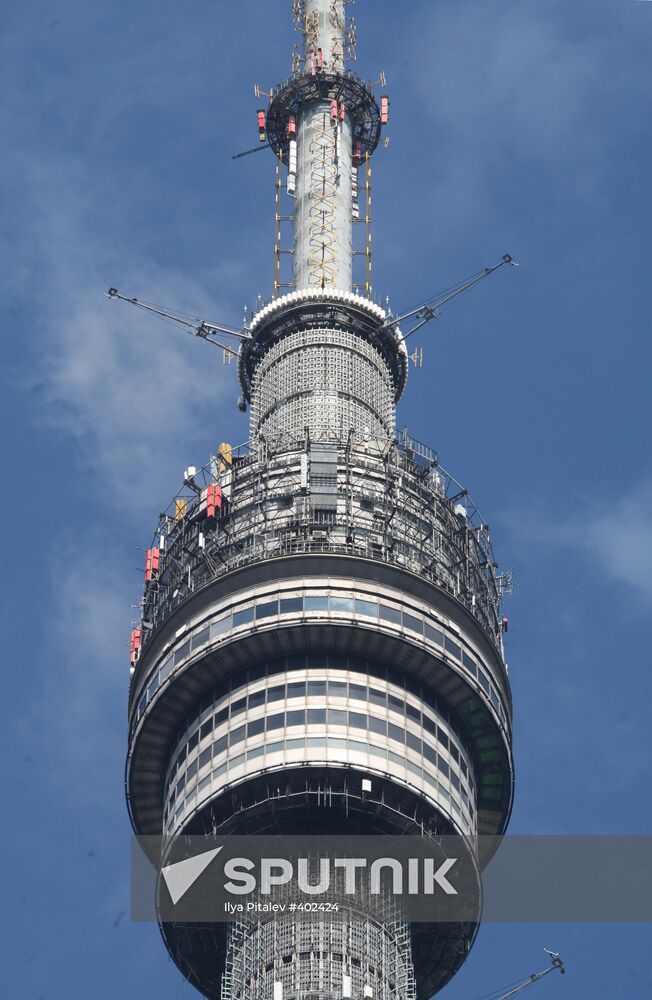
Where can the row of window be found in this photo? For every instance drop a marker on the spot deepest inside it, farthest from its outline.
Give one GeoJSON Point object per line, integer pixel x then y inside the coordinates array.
{"type": "Point", "coordinates": [326, 689]}
{"type": "Point", "coordinates": [186, 793]}
{"type": "Point", "coordinates": [267, 608]}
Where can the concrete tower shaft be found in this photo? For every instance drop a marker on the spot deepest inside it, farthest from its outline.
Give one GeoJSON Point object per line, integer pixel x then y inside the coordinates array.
{"type": "Point", "coordinates": [323, 251]}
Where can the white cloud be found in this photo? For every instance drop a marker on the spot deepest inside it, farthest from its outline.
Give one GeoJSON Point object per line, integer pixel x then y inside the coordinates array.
{"type": "Point", "coordinates": [620, 539]}
{"type": "Point", "coordinates": [130, 388]}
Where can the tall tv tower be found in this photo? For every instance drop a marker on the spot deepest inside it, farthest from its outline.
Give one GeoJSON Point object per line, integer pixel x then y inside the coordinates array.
{"type": "Point", "coordinates": [321, 642]}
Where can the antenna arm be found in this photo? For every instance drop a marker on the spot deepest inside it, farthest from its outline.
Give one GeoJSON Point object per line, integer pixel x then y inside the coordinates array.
{"type": "Point", "coordinates": [205, 331]}
{"type": "Point", "coordinates": [430, 310]}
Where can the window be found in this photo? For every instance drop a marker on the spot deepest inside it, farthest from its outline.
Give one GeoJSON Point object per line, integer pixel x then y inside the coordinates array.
{"type": "Point", "coordinates": [143, 704]}
{"type": "Point", "coordinates": [413, 742]}
{"type": "Point", "coordinates": [257, 752]}
{"type": "Point", "coordinates": [256, 699]}
{"type": "Point", "coordinates": [356, 745]}
{"type": "Point", "coordinates": [243, 617]}
{"type": "Point", "coordinates": [316, 603]}
{"type": "Point", "coordinates": [296, 718]}
{"type": "Point", "coordinates": [275, 721]}
{"type": "Point", "coordinates": [469, 663]}
{"type": "Point", "coordinates": [221, 716]}
{"type": "Point", "coordinates": [316, 716]}
{"type": "Point", "coordinates": [237, 735]}
{"type": "Point", "coordinates": [336, 717]}
{"type": "Point", "coordinates": [192, 771]}
{"type": "Point", "coordinates": [396, 733]}
{"type": "Point", "coordinates": [357, 720]}
{"type": "Point", "coordinates": [412, 712]}
{"type": "Point", "coordinates": [429, 753]}
{"type": "Point", "coordinates": [358, 691]}
{"type": "Point", "coordinates": [443, 738]}
{"type": "Point", "coordinates": [276, 693]}
{"type": "Point", "coordinates": [204, 757]}
{"type": "Point", "coordinates": [256, 727]}
{"type": "Point", "coordinates": [377, 725]}
{"type": "Point", "coordinates": [221, 626]}
{"type": "Point", "coordinates": [484, 680]}
{"type": "Point", "coordinates": [398, 704]}
{"type": "Point", "coordinates": [291, 605]}
{"type": "Point", "coordinates": [193, 741]}
{"type": "Point", "coordinates": [316, 689]}
{"type": "Point", "coordinates": [455, 782]}
{"type": "Point", "coordinates": [266, 610]}
{"type": "Point", "coordinates": [429, 725]}
{"type": "Point", "coordinates": [413, 623]}
{"type": "Point", "coordinates": [238, 706]}
{"type": "Point", "coordinates": [368, 608]}
{"type": "Point", "coordinates": [377, 697]}
{"type": "Point", "coordinates": [152, 688]}
{"type": "Point", "coordinates": [344, 604]}
{"type": "Point", "coordinates": [206, 729]}
{"type": "Point", "coordinates": [166, 668]}
{"type": "Point", "coordinates": [297, 689]}
{"type": "Point", "coordinates": [390, 614]}
{"type": "Point", "coordinates": [182, 651]}
{"type": "Point", "coordinates": [453, 648]}
{"type": "Point", "coordinates": [201, 638]}
{"type": "Point", "coordinates": [443, 767]}
{"type": "Point", "coordinates": [337, 689]}
{"type": "Point", "coordinates": [434, 635]}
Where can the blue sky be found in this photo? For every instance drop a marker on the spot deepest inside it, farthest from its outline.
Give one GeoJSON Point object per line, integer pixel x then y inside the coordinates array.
{"type": "Point", "coordinates": [520, 126]}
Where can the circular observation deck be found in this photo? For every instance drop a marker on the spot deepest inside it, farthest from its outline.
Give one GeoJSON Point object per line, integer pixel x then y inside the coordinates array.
{"type": "Point", "coordinates": [304, 89]}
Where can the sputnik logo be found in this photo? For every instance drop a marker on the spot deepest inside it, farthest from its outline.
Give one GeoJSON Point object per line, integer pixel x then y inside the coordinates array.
{"type": "Point", "coordinates": [182, 875]}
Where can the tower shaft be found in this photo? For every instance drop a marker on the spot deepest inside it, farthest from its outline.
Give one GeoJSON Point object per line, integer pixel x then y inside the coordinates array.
{"type": "Point", "coordinates": [323, 238]}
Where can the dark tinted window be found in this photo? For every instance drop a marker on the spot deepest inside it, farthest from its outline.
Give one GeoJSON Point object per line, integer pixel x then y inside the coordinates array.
{"type": "Point", "coordinates": [204, 757]}
{"type": "Point", "coordinates": [296, 718]}
{"type": "Point", "coordinates": [412, 623]}
{"type": "Point", "coordinates": [390, 614]}
{"type": "Point", "coordinates": [396, 733]}
{"type": "Point", "coordinates": [201, 637]}
{"type": "Point", "coordinates": [276, 721]}
{"type": "Point", "coordinates": [276, 693]}
{"type": "Point", "coordinates": [256, 699]}
{"type": "Point", "coordinates": [206, 728]}
{"type": "Point", "coordinates": [357, 720]}
{"type": "Point", "coordinates": [434, 635]}
{"type": "Point", "coordinates": [377, 725]}
{"type": "Point", "coordinates": [358, 691]}
{"type": "Point", "coordinates": [193, 741]}
{"type": "Point", "coordinates": [242, 617]}
{"type": "Point", "coordinates": [238, 706]}
{"type": "Point", "coordinates": [291, 605]}
{"type": "Point", "coordinates": [237, 735]}
{"type": "Point", "coordinates": [413, 741]}
{"type": "Point", "coordinates": [221, 716]}
{"type": "Point", "coordinates": [266, 610]}
{"type": "Point", "coordinates": [256, 727]}
{"type": "Point", "coordinates": [316, 716]}
{"type": "Point", "coordinates": [453, 648]}
{"type": "Point", "coordinates": [316, 688]}
{"type": "Point", "coordinates": [182, 651]}
{"type": "Point", "coordinates": [297, 689]}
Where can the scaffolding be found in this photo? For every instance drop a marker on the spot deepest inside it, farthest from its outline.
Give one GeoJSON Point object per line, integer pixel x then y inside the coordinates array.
{"type": "Point", "coordinates": [392, 502]}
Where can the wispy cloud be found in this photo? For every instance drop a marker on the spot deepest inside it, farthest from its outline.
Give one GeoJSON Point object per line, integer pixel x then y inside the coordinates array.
{"type": "Point", "coordinates": [620, 539]}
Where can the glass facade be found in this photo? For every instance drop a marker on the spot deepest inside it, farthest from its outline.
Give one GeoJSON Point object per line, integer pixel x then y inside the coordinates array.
{"type": "Point", "coordinates": [327, 604]}
{"type": "Point", "coordinates": [398, 734]}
